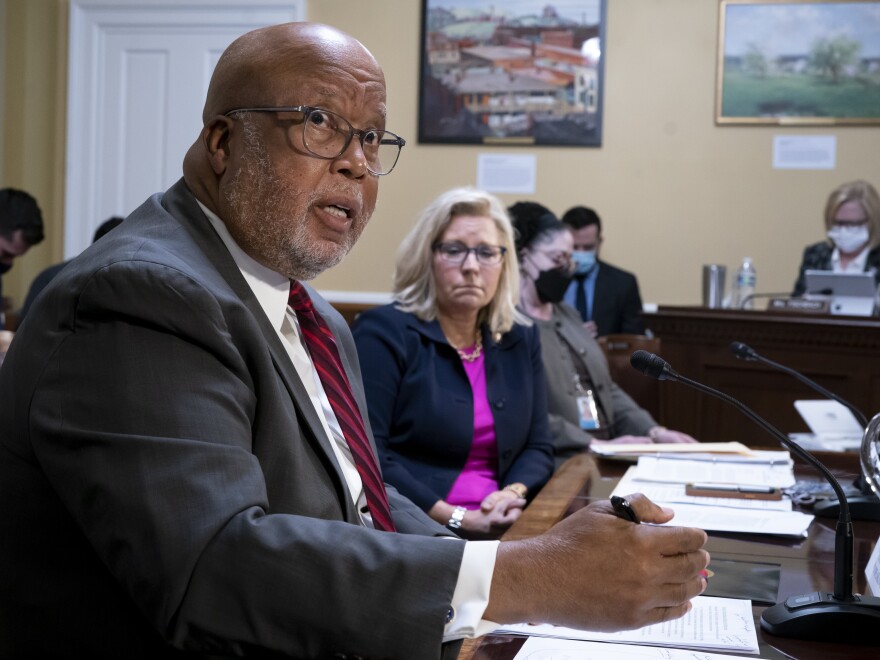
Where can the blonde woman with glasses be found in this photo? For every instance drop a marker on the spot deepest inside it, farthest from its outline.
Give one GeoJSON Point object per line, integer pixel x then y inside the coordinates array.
{"type": "Point", "coordinates": [852, 225]}
{"type": "Point", "coordinates": [453, 374]}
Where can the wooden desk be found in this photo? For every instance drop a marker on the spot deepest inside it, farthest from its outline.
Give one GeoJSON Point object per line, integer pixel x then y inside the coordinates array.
{"type": "Point", "coordinates": [805, 565]}
{"type": "Point", "coordinates": [840, 353]}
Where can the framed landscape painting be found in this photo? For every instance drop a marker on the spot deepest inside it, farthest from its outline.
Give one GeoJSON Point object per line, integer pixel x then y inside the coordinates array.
{"type": "Point", "coordinates": [514, 72]}
{"type": "Point", "coordinates": [798, 62]}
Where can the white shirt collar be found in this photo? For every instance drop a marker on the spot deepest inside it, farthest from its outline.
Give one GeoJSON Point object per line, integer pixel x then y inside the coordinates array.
{"type": "Point", "coordinates": [270, 288]}
{"type": "Point", "coordinates": [857, 265]}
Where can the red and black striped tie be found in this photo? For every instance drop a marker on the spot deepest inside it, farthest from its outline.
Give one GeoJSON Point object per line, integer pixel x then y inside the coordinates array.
{"type": "Point", "coordinates": [325, 356]}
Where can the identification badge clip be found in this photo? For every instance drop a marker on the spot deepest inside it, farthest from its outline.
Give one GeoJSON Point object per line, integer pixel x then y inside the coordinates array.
{"type": "Point", "coordinates": [588, 416]}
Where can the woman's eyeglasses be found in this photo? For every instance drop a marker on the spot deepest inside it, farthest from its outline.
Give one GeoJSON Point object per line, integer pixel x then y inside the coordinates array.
{"type": "Point", "coordinates": [456, 252]}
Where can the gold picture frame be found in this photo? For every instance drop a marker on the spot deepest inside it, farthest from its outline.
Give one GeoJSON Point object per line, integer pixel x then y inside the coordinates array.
{"type": "Point", "coordinates": [519, 72]}
{"type": "Point", "coordinates": [798, 62]}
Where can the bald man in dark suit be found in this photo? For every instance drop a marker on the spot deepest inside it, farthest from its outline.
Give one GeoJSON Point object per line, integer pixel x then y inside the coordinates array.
{"type": "Point", "coordinates": [186, 464]}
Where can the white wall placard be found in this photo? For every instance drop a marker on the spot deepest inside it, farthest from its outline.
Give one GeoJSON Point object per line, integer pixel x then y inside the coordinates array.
{"type": "Point", "coordinates": [507, 173]}
{"type": "Point", "coordinates": [138, 74]}
{"type": "Point", "coordinates": [804, 152]}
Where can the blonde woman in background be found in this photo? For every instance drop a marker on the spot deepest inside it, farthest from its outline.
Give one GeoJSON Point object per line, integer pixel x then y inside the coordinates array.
{"type": "Point", "coordinates": [852, 222]}
{"type": "Point", "coordinates": [453, 374]}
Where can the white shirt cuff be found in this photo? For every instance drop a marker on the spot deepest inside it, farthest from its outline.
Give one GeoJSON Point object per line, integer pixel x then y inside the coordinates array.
{"type": "Point", "coordinates": [471, 596]}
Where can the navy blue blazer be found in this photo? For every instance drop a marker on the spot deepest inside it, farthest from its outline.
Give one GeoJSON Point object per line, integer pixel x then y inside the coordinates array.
{"type": "Point", "coordinates": [422, 411]}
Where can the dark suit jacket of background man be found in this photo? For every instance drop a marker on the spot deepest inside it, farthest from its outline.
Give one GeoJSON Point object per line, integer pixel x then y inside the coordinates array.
{"type": "Point", "coordinates": [152, 426]}
{"type": "Point", "coordinates": [617, 304]}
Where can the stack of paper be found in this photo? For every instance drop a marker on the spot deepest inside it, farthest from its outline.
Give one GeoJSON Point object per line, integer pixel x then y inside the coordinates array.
{"type": "Point", "coordinates": [776, 470]}
{"type": "Point", "coordinates": [663, 480]}
{"type": "Point", "coordinates": [827, 441]}
{"type": "Point", "coordinates": [742, 521]}
{"type": "Point", "coordinates": [713, 624]}
{"type": "Point", "coordinates": [707, 448]}
{"type": "Point", "coordinates": [543, 648]}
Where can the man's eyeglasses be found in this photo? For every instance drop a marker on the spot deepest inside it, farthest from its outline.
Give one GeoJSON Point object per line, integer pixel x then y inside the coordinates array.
{"type": "Point", "coordinates": [327, 135]}
{"type": "Point", "coordinates": [456, 252]}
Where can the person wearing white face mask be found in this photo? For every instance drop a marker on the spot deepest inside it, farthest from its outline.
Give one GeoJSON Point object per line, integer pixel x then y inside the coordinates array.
{"type": "Point", "coordinates": [852, 221]}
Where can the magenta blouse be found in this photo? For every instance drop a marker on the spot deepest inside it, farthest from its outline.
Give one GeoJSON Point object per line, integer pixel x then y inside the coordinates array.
{"type": "Point", "coordinates": [479, 476]}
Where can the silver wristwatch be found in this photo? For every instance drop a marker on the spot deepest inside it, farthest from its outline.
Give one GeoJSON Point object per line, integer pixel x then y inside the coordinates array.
{"type": "Point", "coordinates": [456, 517]}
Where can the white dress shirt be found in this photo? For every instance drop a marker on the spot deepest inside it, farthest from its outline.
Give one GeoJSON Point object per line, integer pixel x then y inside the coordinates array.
{"type": "Point", "coordinates": [857, 265]}
{"type": "Point", "coordinates": [271, 289]}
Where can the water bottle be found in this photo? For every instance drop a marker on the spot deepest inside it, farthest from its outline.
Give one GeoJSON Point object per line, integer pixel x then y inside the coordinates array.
{"type": "Point", "coordinates": [745, 285]}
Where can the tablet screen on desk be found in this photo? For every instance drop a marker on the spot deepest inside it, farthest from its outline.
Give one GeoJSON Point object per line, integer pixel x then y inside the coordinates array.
{"type": "Point", "coordinates": [825, 416]}
{"type": "Point", "coordinates": [852, 285]}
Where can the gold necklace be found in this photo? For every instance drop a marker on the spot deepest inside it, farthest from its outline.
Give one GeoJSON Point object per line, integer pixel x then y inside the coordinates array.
{"type": "Point", "coordinates": [473, 355]}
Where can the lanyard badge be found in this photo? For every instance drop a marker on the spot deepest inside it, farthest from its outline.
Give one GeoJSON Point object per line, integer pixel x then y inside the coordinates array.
{"type": "Point", "coordinates": [588, 417]}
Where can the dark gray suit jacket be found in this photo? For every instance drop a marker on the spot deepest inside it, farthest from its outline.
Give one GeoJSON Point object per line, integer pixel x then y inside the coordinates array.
{"type": "Point", "coordinates": [625, 416]}
{"type": "Point", "coordinates": [165, 485]}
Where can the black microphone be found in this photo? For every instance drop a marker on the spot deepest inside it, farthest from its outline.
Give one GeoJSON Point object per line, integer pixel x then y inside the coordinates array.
{"type": "Point", "coordinates": [817, 615]}
{"type": "Point", "coordinates": [862, 507]}
{"type": "Point", "coordinates": [652, 365]}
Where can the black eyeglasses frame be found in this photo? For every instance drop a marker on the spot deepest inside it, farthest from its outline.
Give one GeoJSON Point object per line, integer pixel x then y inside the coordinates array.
{"type": "Point", "coordinates": [307, 111]}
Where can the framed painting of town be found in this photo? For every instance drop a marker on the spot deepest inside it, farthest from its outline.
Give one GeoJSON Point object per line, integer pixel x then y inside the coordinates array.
{"type": "Point", "coordinates": [513, 72]}
{"type": "Point", "coordinates": [798, 62]}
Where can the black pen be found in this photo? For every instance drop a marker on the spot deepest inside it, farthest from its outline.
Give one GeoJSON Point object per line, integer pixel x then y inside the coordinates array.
{"type": "Point", "coordinates": [624, 509]}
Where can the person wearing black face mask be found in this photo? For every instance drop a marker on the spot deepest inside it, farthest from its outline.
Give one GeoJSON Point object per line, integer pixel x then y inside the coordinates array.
{"type": "Point", "coordinates": [552, 283]}
{"type": "Point", "coordinates": [585, 405]}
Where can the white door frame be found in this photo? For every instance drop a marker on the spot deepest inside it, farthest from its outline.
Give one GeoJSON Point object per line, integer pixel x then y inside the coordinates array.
{"type": "Point", "coordinates": [95, 191]}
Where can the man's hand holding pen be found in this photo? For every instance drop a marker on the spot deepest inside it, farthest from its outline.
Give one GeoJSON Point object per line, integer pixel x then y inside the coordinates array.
{"type": "Point", "coordinates": [568, 576]}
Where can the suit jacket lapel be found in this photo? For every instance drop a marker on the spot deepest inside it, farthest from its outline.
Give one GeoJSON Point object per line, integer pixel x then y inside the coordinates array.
{"type": "Point", "coordinates": [180, 202]}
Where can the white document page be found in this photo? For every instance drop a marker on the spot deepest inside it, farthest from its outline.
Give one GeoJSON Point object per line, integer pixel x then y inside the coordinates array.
{"type": "Point", "coordinates": [544, 648]}
{"type": "Point", "coordinates": [680, 471]}
{"type": "Point", "coordinates": [713, 624]}
{"type": "Point", "coordinates": [735, 448]}
{"type": "Point", "coordinates": [742, 521]}
{"type": "Point", "coordinates": [826, 441]}
{"type": "Point", "coordinates": [675, 493]}
{"type": "Point", "coordinates": [755, 456]}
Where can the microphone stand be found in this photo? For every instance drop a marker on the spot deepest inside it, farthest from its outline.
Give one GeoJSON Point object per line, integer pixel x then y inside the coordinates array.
{"type": "Point", "coordinates": [818, 615]}
{"type": "Point", "coordinates": [862, 507]}
{"type": "Point", "coordinates": [747, 353]}
{"type": "Point", "coordinates": [749, 298]}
